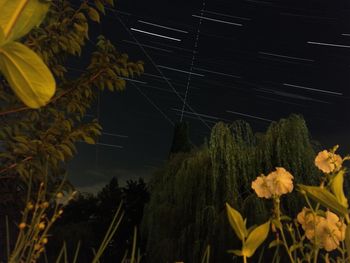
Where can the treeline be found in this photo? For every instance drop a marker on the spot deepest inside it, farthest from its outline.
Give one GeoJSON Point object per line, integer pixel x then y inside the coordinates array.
{"type": "Point", "coordinates": [186, 211]}
{"type": "Point", "coordinates": [86, 220]}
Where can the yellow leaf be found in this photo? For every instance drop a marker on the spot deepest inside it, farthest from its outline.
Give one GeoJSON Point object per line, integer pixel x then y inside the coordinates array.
{"type": "Point", "coordinates": [93, 14]}
{"type": "Point", "coordinates": [338, 188]}
{"type": "Point", "coordinates": [325, 198]}
{"type": "Point", "coordinates": [255, 239]}
{"type": "Point", "coordinates": [236, 222]}
{"type": "Point", "coordinates": [100, 6]}
{"type": "Point", "coordinates": [235, 252]}
{"type": "Point", "coordinates": [275, 243]}
{"type": "Point", "coordinates": [66, 150]}
{"type": "Point", "coordinates": [27, 74]}
{"type": "Point", "coordinates": [2, 36]}
{"type": "Point", "coordinates": [18, 17]}
{"type": "Point", "coordinates": [89, 140]}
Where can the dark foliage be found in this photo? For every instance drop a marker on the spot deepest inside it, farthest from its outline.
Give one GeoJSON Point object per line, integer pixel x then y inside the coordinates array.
{"type": "Point", "coordinates": [181, 139]}
{"type": "Point", "coordinates": [87, 218]}
{"type": "Point", "coordinates": [186, 210]}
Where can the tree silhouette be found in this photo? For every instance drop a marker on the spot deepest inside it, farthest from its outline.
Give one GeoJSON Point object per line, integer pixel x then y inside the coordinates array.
{"type": "Point", "coordinates": [87, 218]}
{"type": "Point", "coordinates": [186, 209]}
{"type": "Point", "coordinates": [181, 140]}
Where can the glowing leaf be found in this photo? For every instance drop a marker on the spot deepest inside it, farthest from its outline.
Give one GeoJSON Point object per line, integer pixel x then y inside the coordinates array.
{"type": "Point", "coordinates": [236, 222]}
{"type": "Point", "coordinates": [93, 14]}
{"type": "Point", "coordinates": [275, 243]}
{"type": "Point", "coordinates": [27, 74]}
{"type": "Point", "coordinates": [18, 17]}
{"type": "Point", "coordinates": [325, 198]}
{"type": "Point", "coordinates": [89, 140]}
{"type": "Point", "coordinates": [2, 37]}
{"type": "Point", "coordinates": [255, 239]}
{"type": "Point", "coordinates": [235, 252]}
{"type": "Point", "coordinates": [338, 188]}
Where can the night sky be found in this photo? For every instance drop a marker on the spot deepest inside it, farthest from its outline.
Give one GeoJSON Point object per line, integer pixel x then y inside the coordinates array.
{"type": "Point", "coordinates": [253, 60]}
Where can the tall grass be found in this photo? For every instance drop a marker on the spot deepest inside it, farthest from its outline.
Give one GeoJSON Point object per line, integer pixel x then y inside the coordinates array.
{"type": "Point", "coordinates": [38, 217]}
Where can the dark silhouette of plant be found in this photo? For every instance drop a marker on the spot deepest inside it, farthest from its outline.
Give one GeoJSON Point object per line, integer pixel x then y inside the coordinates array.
{"type": "Point", "coordinates": [87, 218]}
{"type": "Point", "coordinates": [181, 138]}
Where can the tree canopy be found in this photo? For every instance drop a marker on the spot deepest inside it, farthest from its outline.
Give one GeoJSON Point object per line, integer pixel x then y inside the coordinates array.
{"type": "Point", "coordinates": [187, 206]}
{"type": "Point", "coordinates": [38, 143]}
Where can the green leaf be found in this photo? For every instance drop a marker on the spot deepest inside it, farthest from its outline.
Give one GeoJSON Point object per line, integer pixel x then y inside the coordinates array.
{"type": "Point", "coordinates": [67, 151]}
{"type": "Point", "coordinates": [93, 14]}
{"type": "Point", "coordinates": [27, 74]}
{"type": "Point", "coordinates": [255, 239]}
{"type": "Point", "coordinates": [325, 198]}
{"type": "Point", "coordinates": [2, 36]}
{"type": "Point", "coordinates": [18, 17]}
{"type": "Point", "coordinates": [337, 187]}
{"type": "Point", "coordinates": [285, 218]}
{"type": "Point", "coordinates": [100, 6]}
{"type": "Point", "coordinates": [236, 222]}
{"type": "Point", "coordinates": [275, 243]}
{"type": "Point", "coordinates": [250, 229]}
{"type": "Point", "coordinates": [79, 28]}
{"type": "Point", "coordinates": [21, 139]}
{"type": "Point", "coordinates": [89, 140]}
{"type": "Point", "coordinates": [60, 155]}
{"type": "Point", "coordinates": [235, 252]}
{"type": "Point", "coordinates": [294, 247]}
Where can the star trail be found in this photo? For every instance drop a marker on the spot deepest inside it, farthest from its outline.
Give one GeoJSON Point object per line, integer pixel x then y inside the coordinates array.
{"type": "Point", "coordinates": [221, 60]}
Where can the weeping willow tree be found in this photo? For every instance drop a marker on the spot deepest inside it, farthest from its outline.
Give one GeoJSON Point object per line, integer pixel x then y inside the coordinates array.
{"type": "Point", "coordinates": [186, 211]}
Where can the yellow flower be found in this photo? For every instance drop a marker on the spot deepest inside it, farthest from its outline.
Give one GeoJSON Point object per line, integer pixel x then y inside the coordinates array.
{"type": "Point", "coordinates": [260, 186]}
{"type": "Point", "coordinates": [59, 195]}
{"type": "Point", "coordinates": [30, 206]}
{"type": "Point", "coordinates": [37, 247]}
{"type": "Point", "coordinates": [44, 205]}
{"type": "Point", "coordinates": [328, 162]}
{"type": "Point", "coordinates": [331, 231]}
{"type": "Point", "coordinates": [328, 231]}
{"type": "Point", "coordinates": [308, 221]}
{"type": "Point", "coordinates": [22, 225]}
{"type": "Point", "coordinates": [277, 183]}
{"type": "Point", "coordinates": [280, 181]}
{"type": "Point", "coordinates": [41, 225]}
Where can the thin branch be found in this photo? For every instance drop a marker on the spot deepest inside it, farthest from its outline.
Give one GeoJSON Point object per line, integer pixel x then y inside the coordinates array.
{"type": "Point", "coordinates": [24, 108]}
{"type": "Point", "coordinates": [12, 166]}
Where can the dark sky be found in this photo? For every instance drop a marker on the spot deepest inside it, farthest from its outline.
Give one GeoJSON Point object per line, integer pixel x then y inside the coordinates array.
{"type": "Point", "coordinates": [234, 59]}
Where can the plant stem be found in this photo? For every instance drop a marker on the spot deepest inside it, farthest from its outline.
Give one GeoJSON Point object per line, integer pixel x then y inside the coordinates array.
{"type": "Point", "coordinates": [278, 217]}
{"type": "Point", "coordinates": [285, 244]}
{"type": "Point", "coordinates": [315, 257]}
{"type": "Point", "coordinates": [244, 259]}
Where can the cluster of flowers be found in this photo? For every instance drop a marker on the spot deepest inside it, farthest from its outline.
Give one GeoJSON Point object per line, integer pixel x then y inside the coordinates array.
{"type": "Point", "coordinates": [276, 183]}
{"type": "Point", "coordinates": [323, 228]}
{"type": "Point", "coordinates": [326, 231]}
